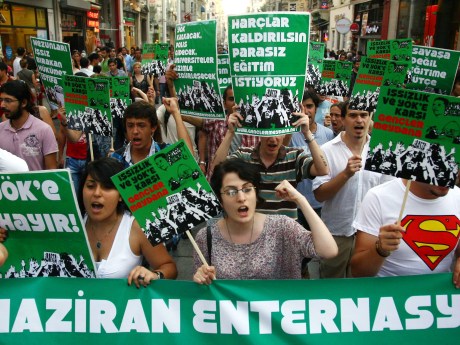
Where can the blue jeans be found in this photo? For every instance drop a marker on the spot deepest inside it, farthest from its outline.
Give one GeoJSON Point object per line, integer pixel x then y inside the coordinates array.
{"type": "Point", "coordinates": [76, 168]}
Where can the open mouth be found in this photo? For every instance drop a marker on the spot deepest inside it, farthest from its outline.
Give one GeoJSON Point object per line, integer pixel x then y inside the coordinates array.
{"type": "Point", "coordinates": [243, 211]}
{"type": "Point", "coordinates": [96, 206]}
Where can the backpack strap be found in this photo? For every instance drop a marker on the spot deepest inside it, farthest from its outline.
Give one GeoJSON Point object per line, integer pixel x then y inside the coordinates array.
{"type": "Point", "coordinates": [209, 243]}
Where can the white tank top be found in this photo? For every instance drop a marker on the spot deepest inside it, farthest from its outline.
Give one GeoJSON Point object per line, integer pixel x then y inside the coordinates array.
{"type": "Point", "coordinates": [121, 259]}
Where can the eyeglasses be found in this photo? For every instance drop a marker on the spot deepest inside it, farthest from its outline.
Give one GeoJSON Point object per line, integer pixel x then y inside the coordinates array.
{"type": "Point", "coordinates": [233, 192]}
{"type": "Point", "coordinates": [8, 100]}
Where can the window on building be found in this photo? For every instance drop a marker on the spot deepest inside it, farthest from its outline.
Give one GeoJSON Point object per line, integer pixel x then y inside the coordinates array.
{"type": "Point", "coordinates": [18, 23]}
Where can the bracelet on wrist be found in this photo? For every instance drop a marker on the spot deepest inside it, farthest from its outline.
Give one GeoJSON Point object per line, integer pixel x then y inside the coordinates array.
{"type": "Point", "coordinates": [308, 141]}
{"type": "Point", "coordinates": [159, 274]}
{"type": "Point", "coordinates": [202, 163]}
{"type": "Point", "coordinates": [380, 251]}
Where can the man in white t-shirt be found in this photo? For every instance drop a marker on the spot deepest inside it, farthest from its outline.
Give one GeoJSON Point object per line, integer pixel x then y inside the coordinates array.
{"type": "Point", "coordinates": [427, 241]}
{"type": "Point", "coordinates": [17, 61]}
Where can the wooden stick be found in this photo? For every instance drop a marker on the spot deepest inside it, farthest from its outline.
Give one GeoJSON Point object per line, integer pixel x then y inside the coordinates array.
{"type": "Point", "coordinates": [91, 151]}
{"type": "Point", "coordinates": [195, 246]}
{"type": "Point", "coordinates": [406, 193]}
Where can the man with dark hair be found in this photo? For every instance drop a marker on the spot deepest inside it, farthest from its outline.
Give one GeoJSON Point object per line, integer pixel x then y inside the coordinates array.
{"type": "Point", "coordinates": [140, 123]}
{"type": "Point", "coordinates": [113, 69]}
{"type": "Point", "coordinates": [137, 55]}
{"type": "Point", "coordinates": [84, 64]}
{"type": "Point", "coordinates": [17, 61]}
{"type": "Point", "coordinates": [93, 61]}
{"type": "Point", "coordinates": [344, 187]}
{"type": "Point", "coordinates": [105, 51]}
{"type": "Point", "coordinates": [128, 60]}
{"type": "Point", "coordinates": [24, 135]}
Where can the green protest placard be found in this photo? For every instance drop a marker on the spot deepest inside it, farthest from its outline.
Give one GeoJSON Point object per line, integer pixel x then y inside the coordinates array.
{"type": "Point", "coordinates": [162, 52]}
{"type": "Point", "coordinates": [223, 71]}
{"type": "Point", "coordinates": [335, 78]}
{"type": "Point", "coordinates": [422, 310]}
{"type": "Point", "coordinates": [88, 104]}
{"type": "Point", "coordinates": [373, 74]}
{"type": "Point", "coordinates": [268, 66]}
{"type": "Point", "coordinates": [76, 101]}
{"type": "Point", "coordinates": [416, 136]}
{"type": "Point", "coordinates": [315, 64]}
{"type": "Point", "coordinates": [148, 53]}
{"type": "Point", "coordinates": [119, 95]}
{"type": "Point", "coordinates": [433, 69]}
{"type": "Point", "coordinates": [53, 62]}
{"type": "Point", "coordinates": [46, 233]}
{"type": "Point", "coordinates": [98, 118]}
{"type": "Point", "coordinates": [167, 193]}
{"type": "Point", "coordinates": [398, 50]}
{"type": "Point", "coordinates": [197, 87]}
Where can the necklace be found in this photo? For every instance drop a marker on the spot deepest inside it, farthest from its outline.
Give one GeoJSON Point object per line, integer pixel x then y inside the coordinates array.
{"type": "Point", "coordinates": [230, 236]}
{"type": "Point", "coordinates": [246, 274]}
{"type": "Point", "coordinates": [99, 241]}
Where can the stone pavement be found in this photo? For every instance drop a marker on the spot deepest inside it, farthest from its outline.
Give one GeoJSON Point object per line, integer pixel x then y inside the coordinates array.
{"type": "Point", "coordinates": [184, 259]}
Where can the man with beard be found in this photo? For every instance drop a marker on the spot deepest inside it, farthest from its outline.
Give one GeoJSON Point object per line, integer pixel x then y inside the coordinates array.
{"type": "Point", "coordinates": [24, 135]}
{"type": "Point", "coordinates": [343, 188]}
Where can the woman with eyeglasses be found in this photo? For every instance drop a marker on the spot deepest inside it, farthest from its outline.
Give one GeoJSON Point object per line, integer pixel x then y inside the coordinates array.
{"type": "Point", "coordinates": [246, 244]}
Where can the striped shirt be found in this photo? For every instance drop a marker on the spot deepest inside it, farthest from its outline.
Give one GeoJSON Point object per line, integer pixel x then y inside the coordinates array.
{"type": "Point", "coordinates": [292, 164]}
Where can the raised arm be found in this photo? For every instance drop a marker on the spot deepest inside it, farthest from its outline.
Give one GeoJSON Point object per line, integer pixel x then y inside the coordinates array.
{"type": "Point", "coordinates": [323, 241]}
{"type": "Point", "coordinates": [329, 189]}
{"type": "Point", "coordinates": [3, 254]}
{"type": "Point", "coordinates": [172, 106]}
{"type": "Point", "coordinates": [224, 147]}
{"type": "Point", "coordinates": [170, 76]}
{"type": "Point", "coordinates": [319, 166]}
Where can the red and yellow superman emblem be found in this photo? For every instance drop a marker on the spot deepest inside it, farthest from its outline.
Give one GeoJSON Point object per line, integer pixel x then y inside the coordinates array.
{"type": "Point", "coordinates": [432, 238]}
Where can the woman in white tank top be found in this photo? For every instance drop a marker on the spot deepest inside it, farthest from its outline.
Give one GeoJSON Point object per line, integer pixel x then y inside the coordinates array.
{"type": "Point", "coordinates": [116, 239]}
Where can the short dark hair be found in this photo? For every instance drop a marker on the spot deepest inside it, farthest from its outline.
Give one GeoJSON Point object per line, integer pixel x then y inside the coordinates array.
{"type": "Point", "coordinates": [107, 49]}
{"type": "Point", "coordinates": [84, 62]}
{"type": "Point", "coordinates": [101, 170]}
{"type": "Point", "coordinates": [112, 60]}
{"type": "Point", "coordinates": [97, 69]}
{"type": "Point", "coordinates": [311, 94]}
{"type": "Point", "coordinates": [21, 91]}
{"type": "Point", "coordinates": [141, 110]}
{"type": "Point", "coordinates": [20, 51]}
{"type": "Point", "coordinates": [245, 171]}
{"type": "Point", "coordinates": [345, 106]}
{"type": "Point", "coordinates": [92, 57]}
{"type": "Point", "coordinates": [23, 63]}
{"type": "Point", "coordinates": [3, 66]}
